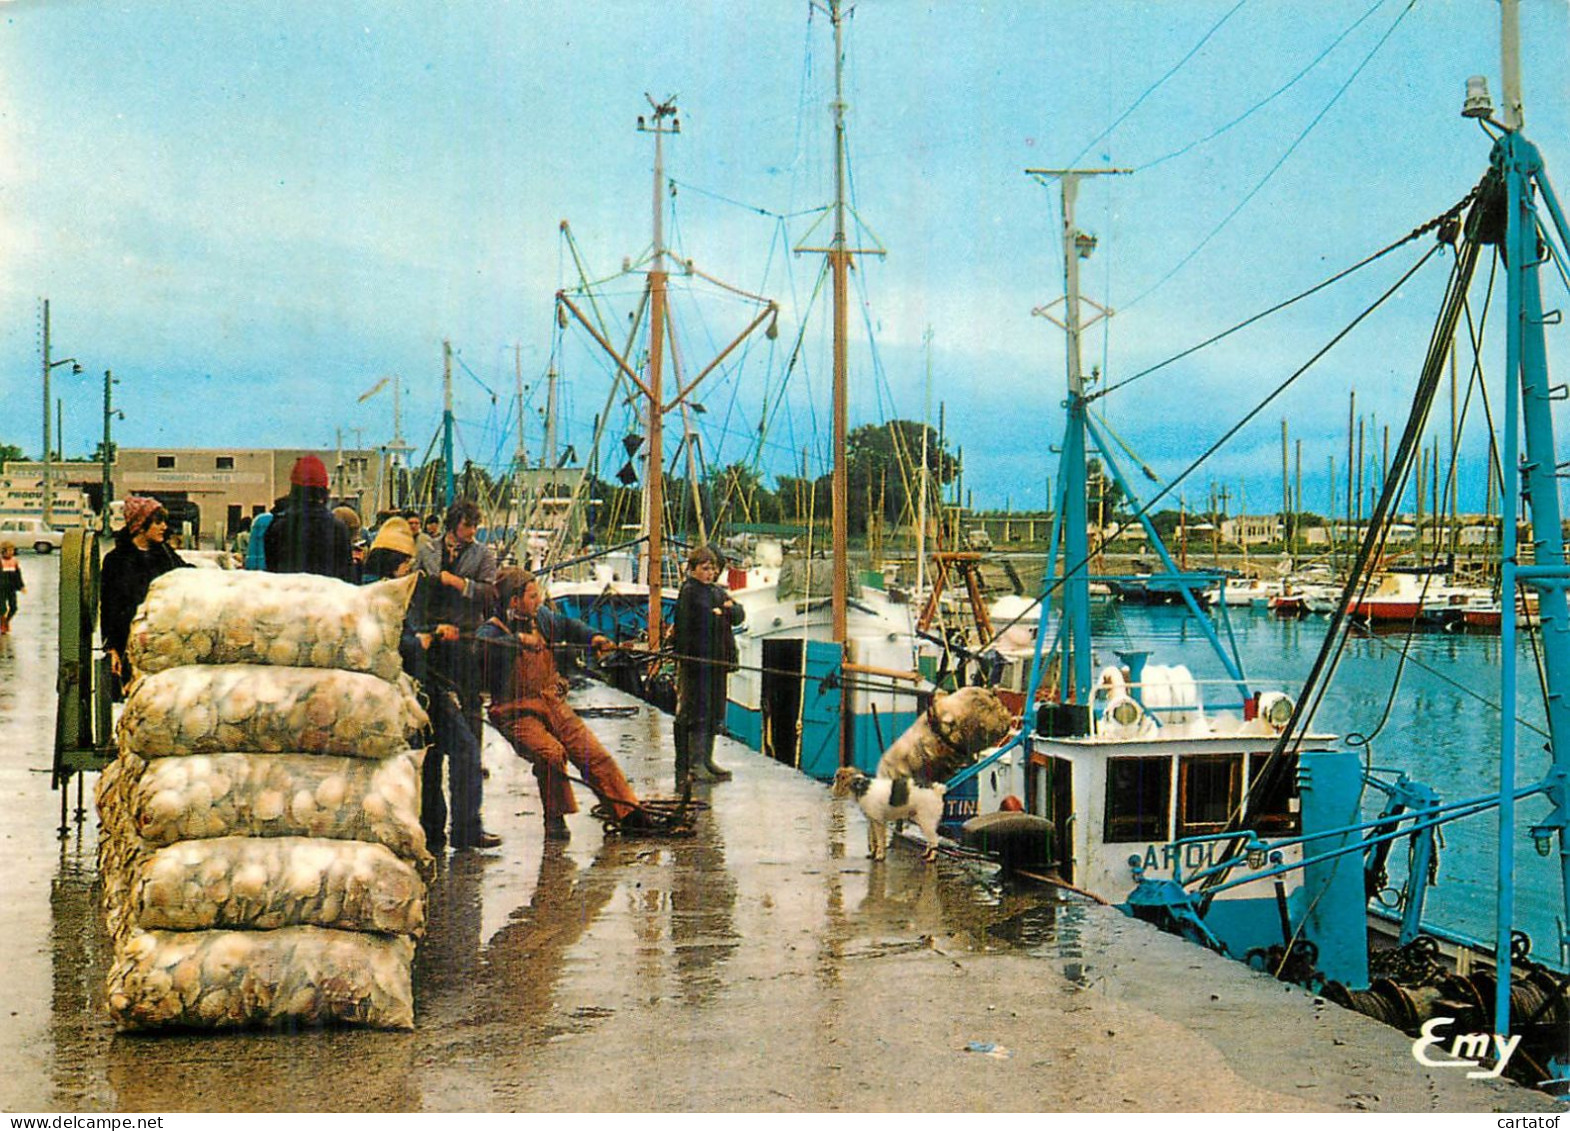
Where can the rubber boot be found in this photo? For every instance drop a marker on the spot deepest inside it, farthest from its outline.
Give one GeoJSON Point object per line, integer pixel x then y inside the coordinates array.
{"type": "Point", "coordinates": [683, 758]}
{"type": "Point", "coordinates": [703, 766]}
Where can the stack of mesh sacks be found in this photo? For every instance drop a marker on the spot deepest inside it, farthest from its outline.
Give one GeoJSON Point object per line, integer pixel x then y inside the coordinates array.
{"type": "Point", "coordinates": [261, 847]}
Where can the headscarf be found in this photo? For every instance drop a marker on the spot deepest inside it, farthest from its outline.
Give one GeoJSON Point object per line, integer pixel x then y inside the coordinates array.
{"type": "Point", "coordinates": [139, 512]}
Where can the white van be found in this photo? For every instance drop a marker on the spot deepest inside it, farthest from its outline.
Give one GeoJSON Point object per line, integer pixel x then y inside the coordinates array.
{"type": "Point", "coordinates": [34, 532]}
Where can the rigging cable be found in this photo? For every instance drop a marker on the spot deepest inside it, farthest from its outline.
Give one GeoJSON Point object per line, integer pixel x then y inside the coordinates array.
{"type": "Point", "coordinates": [1274, 169]}
{"type": "Point", "coordinates": [1269, 98]}
{"type": "Point", "coordinates": [1448, 214]}
{"type": "Point", "coordinates": [1272, 776]}
{"type": "Point", "coordinates": [1153, 87]}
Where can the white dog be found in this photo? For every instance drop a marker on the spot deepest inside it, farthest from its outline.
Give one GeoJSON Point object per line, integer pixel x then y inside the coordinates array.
{"type": "Point", "coordinates": [948, 736]}
{"type": "Point", "coordinates": [893, 799]}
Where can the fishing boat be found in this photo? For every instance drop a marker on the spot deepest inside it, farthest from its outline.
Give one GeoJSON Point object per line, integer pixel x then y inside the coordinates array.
{"type": "Point", "coordinates": [829, 671]}
{"type": "Point", "coordinates": [1221, 813]}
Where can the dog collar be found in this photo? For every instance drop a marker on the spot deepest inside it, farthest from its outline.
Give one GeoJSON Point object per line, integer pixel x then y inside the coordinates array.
{"type": "Point", "coordinates": [937, 733]}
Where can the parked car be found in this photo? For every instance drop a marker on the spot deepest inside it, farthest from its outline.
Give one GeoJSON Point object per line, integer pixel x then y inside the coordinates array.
{"type": "Point", "coordinates": [34, 532]}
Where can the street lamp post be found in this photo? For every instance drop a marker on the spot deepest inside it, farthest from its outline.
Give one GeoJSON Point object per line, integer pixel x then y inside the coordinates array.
{"type": "Point", "coordinates": [109, 414]}
{"type": "Point", "coordinates": [50, 366]}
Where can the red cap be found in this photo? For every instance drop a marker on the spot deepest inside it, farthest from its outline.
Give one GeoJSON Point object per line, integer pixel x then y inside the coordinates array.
{"type": "Point", "coordinates": [308, 472]}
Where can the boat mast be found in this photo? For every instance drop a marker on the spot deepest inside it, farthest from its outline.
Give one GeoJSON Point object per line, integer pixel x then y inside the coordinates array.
{"type": "Point", "coordinates": [655, 301]}
{"type": "Point", "coordinates": [1077, 245]}
{"type": "Point", "coordinates": [520, 459]}
{"type": "Point", "coordinates": [448, 489]}
{"type": "Point", "coordinates": [839, 255]}
{"type": "Point", "coordinates": [1528, 414]}
{"type": "Point", "coordinates": [839, 267]}
{"type": "Point", "coordinates": [653, 486]}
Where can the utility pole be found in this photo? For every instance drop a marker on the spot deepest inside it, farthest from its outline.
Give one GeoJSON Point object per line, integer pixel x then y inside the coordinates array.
{"type": "Point", "coordinates": [49, 497]}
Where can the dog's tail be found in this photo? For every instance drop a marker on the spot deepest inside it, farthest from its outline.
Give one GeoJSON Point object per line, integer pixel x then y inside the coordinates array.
{"type": "Point", "coordinates": [939, 788]}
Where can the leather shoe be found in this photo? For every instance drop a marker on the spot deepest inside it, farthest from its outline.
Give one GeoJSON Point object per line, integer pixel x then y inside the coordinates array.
{"type": "Point", "coordinates": [556, 829]}
{"type": "Point", "coordinates": [487, 840]}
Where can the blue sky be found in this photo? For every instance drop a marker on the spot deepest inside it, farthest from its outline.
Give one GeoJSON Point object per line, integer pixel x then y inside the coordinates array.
{"type": "Point", "coordinates": [252, 212]}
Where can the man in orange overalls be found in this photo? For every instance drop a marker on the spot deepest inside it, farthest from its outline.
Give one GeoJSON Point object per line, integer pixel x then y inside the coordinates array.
{"type": "Point", "coordinates": [529, 704]}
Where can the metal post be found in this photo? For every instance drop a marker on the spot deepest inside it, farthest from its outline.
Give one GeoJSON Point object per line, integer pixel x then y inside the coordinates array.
{"type": "Point", "coordinates": [48, 439]}
{"type": "Point", "coordinates": [108, 488]}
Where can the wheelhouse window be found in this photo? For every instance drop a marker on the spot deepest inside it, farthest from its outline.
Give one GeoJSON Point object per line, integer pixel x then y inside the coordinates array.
{"type": "Point", "coordinates": [166, 463]}
{"type": "Point", "coordinates": [223, 463]}
{"type": "Point", "coordinates": [1273, 800]}
{"type": "Point", "coordinates": [1138, 791]}
{"type": "Point", "coordinates": [1210, 791]}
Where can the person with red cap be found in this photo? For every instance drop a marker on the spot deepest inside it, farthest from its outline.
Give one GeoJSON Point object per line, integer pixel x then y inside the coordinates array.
{"type": "Point", "coordinates": [306, 537]}
{"type": "Point", "coordinates": [141, 552]}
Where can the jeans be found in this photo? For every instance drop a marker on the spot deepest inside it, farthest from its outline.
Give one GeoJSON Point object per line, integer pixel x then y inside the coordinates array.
{"type": "Point", "coordinates": [455, 744]}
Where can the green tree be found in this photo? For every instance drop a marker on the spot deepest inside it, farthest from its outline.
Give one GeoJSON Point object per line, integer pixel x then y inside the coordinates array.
{"type": "Point", "coordinates": [10, 453]}
{"type": "Point", "coordinates": [880, 466]}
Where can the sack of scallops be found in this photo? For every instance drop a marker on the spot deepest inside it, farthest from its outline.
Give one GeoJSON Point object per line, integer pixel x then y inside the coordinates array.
{"type": "Point", "coordinates": [227, 708]}
{"type": "Point", "coordinates": [291, 976]}
{"type": "Point", "coordinates": [197, 616]}
{"type": "Point", "coordinates": [214, 795]}
{"type": "Point", "coordinates": [261, 883]}
{"type": "Point", "coordinates": [261, 850]}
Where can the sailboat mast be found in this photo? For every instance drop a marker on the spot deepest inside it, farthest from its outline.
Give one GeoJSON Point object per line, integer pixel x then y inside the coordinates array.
{"type": "Point", "coordinates": [520, 460]}
{"type": "Point", "coordinates": [653, 494]}
{"type": "Point", "coordinates": [839, 268]}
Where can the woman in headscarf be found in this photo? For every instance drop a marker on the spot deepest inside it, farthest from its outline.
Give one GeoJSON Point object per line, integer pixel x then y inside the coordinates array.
{"type": "Point", "coordinates": [141, 553]}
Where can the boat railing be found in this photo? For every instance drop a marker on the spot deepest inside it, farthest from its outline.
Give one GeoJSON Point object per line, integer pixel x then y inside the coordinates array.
{"type": "Point", "coordinates": [1104, 695]}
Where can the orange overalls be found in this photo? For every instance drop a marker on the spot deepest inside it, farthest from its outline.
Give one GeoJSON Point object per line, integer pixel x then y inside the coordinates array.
{"type": "Point", "coordinates": [545, 730]}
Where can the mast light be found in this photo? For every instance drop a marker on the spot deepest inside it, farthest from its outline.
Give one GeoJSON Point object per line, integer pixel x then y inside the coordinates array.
{"type": "Point", "coordinates": [1478, 104]}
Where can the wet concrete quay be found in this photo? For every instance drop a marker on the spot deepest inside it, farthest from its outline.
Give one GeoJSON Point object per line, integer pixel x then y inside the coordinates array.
{"type": "Point", "coordinates": [762, 965]}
